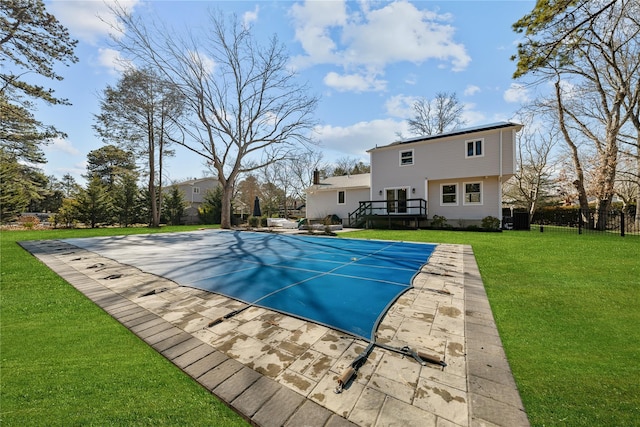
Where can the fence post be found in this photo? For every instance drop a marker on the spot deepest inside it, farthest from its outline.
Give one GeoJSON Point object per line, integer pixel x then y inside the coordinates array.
{"type": "Point", "coordinates": [621, 224]}
{"type": "Point", "coordinates": [580, 223]}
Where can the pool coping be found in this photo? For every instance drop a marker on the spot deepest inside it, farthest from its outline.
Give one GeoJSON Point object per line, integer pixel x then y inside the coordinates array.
{"type": "Point", "coordinates": [493, 398]}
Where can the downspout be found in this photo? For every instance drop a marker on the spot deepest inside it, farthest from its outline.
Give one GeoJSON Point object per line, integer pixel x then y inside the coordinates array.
{"type": "Point", "coordinates": [500, 183]}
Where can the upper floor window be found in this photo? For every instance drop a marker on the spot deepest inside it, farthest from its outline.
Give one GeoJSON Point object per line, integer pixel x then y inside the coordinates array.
{"type": "Point", "coordinates": [475, 148]}
{"type": "Point", "coordinates": [406, 158]}
{"type": "Point", "coordinates": [449, 194]}
{"type": "Point", "coordinates": [196, 190]}
{"type": "Point", "coordinates": [341, 197]}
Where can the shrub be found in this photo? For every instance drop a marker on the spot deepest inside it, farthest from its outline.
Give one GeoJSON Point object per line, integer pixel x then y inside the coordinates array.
{"type": "Point", "coordinates": [28, 221]}
{"type": "Point", "coordinates": [490, 223]}
{"type": "Point", "coordinates": [253, 221]}
{"type": "Point", "coordinates": [438, 221]}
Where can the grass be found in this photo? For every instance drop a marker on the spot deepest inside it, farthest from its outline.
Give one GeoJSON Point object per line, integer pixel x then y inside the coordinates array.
{"type": "Point", "coordinates": [566, 307]}
{"type": "Point", "coordinates": [66, 362]}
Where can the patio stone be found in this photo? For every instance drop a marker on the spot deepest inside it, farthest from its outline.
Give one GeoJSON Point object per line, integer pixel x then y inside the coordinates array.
{"type": "Point", "coordinates": [280, 370]}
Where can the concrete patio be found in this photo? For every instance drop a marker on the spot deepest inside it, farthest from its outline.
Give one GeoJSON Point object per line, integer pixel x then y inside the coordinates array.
{"type": "Point", "coordinates": [278, 370]}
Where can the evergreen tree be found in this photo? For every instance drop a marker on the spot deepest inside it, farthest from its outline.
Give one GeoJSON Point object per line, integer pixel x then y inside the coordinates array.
{"type": "Point", "coordinates": [95, 205]}
{"type": "Point", "coordinates": [173, 206]}
{"type": "Point", "coordinates": [210, 211]}
{"type": "Point", "coordinates": [126, 200]}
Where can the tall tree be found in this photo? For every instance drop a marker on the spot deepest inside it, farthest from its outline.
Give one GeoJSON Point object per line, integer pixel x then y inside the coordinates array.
{"type": "Point", "coordinates": [140, 114]}
{"type": "Point", "coordinates": [247, 109]}
{"type": "Point", "coordinates": [550, 27]}
{"type": "Point", "coordinates": [109, 164]}
{"type": "Point", "coordinates": [594, 64]}
{"type": "Point", "coordinates": [35, 42]}
{"type": "Point", "coordinates": [438, 115]}
{"type": "Point", "coordinates": [32, 41]}
{"type": "Point", "coordinates": [69, 185]}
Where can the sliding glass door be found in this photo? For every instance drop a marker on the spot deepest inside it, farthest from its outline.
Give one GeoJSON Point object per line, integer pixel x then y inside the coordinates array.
{"type": "Point", "coordinates": [397, 200]}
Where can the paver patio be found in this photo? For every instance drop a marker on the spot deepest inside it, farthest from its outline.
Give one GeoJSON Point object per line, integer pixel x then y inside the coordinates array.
{"type": "Point", "coordinates": [279, 370]}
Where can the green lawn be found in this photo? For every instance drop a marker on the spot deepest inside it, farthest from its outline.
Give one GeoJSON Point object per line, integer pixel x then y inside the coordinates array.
{"type": "Point", "coordinates": [66, 362]}
{"type": "Point", "coordinates": [568, 310]}
{"type": "Point", "coordinates": [567, 307]}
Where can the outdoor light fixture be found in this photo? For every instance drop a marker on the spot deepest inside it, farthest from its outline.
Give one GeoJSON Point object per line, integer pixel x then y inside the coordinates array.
{"type": "Point", "coordinates": [380, 192]}
{"type": "Point", "coordinates": [413, 191]}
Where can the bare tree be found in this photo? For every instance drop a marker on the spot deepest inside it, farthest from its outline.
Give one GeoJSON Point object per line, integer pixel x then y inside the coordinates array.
{"type": "Point", "coordinates": [533, 183]}
{"type": "Point", "coordinates": [247, 109]}
{"type": "Point", "coordinates": [439, 115]}
{"type": "Point", "coordinates": [348, 166]}
{"type": "Point", "coordinates": [596, 72]}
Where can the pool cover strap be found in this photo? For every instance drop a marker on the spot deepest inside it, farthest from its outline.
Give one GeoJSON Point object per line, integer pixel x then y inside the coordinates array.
{"type": "Point", "coordinates": [421, 357]}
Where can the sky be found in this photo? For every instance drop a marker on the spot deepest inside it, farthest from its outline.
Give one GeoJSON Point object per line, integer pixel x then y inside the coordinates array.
{"type": "Point", "coordinates": [367, 61]}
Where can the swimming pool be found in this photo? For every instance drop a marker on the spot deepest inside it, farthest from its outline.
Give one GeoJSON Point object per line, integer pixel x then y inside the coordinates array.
{"type": "Point", "coordinates": [345, 284]}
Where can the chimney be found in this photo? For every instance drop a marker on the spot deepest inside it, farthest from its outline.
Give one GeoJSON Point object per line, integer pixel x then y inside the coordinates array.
{"type": "Point", "coordinates": [316, 177]}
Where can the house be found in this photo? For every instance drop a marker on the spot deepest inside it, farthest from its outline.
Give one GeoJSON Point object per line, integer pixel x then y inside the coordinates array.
{"type": "Point", "coordinates": [194, 192]}
{"type": "Point", "coordinates": [337, 195]}
{"type": "Point", "coordinates": [456, 175]}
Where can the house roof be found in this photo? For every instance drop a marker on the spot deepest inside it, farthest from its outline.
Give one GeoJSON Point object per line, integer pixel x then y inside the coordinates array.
{"type": "Point", "coordinates": [195, 181]}
{"type": "Point", "coordinates": [362, 180]}
{"type": "Point", "coordinates": [474, 129]}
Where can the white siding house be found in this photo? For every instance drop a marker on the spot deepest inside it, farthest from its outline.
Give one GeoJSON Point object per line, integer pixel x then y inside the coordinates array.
{"type": "Point", "coordinates": [337, 195]}
{"type": "Point", "coordinates": [457, 175]}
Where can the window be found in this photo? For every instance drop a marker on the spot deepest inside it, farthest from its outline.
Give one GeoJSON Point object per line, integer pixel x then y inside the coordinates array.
{"type": "Point", "coordinates": [196, 190]}
{"type": "Point", "coordinates": [472, 193]}
{"type": "Point", "coordinates": [341, 197]}
{"type": "Point", "coordinates": [449, 194]}
{"type": "Point", "coordinates": [406, 158]}
{"type": "Point", "coordinates": [474, 148]}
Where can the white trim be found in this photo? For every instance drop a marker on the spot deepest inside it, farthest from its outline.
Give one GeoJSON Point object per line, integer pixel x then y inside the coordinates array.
{"type": "Point", "coordinates": [464, 194]}
{"type": "Point", "coordinates": [344, 197]}
{"type": "Point", "coordinates": [457, 195]}
{"type": "Point", "coordinates": [474, 141]}
{"type": "Point", "coordinates": [407, 189]}
{"type": "Point", "coordinates": [412, 157]}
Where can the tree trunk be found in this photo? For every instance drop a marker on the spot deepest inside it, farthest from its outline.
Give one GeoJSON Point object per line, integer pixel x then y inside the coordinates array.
{"type": "Point", "coordinates": [155, 217]}
{"type": "Point", "coordinates": [227, 195]}
{"type": "Point", "coordinates": [578, 183]}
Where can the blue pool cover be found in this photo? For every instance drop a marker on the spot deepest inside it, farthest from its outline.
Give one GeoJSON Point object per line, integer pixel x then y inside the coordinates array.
{"type": "Point", "coordinates": [345, 284]}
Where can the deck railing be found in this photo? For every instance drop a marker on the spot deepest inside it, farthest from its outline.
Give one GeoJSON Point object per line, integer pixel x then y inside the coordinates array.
{"type": "Point", "coordinates": [388, 208]}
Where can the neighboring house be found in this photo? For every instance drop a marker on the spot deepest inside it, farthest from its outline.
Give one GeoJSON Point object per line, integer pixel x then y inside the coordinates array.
{"type": "Point", "coordinates": [457, 175]}
{"type": "Point", "coordinates": [194, 192]}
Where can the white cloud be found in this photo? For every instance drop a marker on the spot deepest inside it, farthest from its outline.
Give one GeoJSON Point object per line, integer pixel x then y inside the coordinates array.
{"type": "Point", "coordinates": [471, 116]}
{"type": "Point", "coordinates": [364, 40]}
{"type": "Point", "coordinates": [314, 21]}
{"type": "Point", "coordinates": [62, 145]}
{"type": "Point", "coordinates": [88, 21]}
{"type": "Point", "coordinates": [249, 17]}
{"type": "Point", "coordinates": [111, 60]}
{"type": "Point", "coordinates": [400, 106]}
{"type": "Point", "coordinates": [353, 82]}
{"type": "Point", "coordinates": [471, 90]}
{"type": "Point", "coordinates": [517, 93]}
{"type": "Point", "coordinates": [360, 137]}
